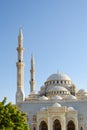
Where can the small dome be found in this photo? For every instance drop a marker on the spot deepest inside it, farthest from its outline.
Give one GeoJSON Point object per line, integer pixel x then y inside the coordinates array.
{"type": "Point", "coordinates": [70, 97]}
{"type": "Point", "coordinates": [58, 76]}
{"type": "Point", "coordinates": [82, 94]}
{"type": "Point", "coordinates": [71, 108]}
{"type": "Point", "coordinates": [43, 109]}
{"type": "Point", "coordinates": [56, 97]}
{"type": "Point", "coordinates": [43, 98]}
{"type": "Point", "coordinates": [56, 105]}
{"type": "Point", "coordinates": [82, 91]}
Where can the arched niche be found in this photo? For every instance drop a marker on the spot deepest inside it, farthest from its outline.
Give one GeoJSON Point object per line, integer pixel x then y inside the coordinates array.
{"type": "Point", "coordinates": [70, 125]}
{"type": "Point", "coordinates": [56, 125]}
{"type": "Point", "coordinates": [43, 126]}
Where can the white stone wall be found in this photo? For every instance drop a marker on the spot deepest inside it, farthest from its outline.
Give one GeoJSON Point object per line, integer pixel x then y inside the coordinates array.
{"type": "Point", "coordinates": [79, 118]}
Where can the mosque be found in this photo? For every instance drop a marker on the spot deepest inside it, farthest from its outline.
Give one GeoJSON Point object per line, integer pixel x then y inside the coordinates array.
{"type": "Point", "coordinates": [59, 105]}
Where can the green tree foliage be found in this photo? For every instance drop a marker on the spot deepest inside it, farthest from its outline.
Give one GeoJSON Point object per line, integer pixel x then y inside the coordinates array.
{"type": "Point", "coordinates": [11, 118]}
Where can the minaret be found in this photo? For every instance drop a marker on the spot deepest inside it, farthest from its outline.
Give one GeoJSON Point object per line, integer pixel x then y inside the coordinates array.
{"type": "Point", "coordinates": [20, 70]}
{"type": "Point", "coordinates": [32, 75]}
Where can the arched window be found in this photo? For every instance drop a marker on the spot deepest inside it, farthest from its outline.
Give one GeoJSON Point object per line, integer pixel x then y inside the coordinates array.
{"type": "Point", "coordinates": [56, 125]}
{"type": "Point", "coordinates": [81, 128]}
{"type": "Point", "coordinates": [43, 126]}
{"type": "Point", "coordinates": [61, 82]}
{"type": "Point", "coordinates": [57, 82]}
{"type": "Point", "coordinates": [71, 125]}
{"type": "Point", "coordinates": [53, 82]}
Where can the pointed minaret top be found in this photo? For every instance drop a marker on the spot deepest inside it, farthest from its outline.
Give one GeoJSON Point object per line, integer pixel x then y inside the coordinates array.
{"type": "Point", "coordinates": [20, 38]}
{"type": "Point", "coordinates": [32, 61]}
{"type": "Point", "coordinates": [20, 32]}
{"type": "Point", "coordinates": [32, 57]}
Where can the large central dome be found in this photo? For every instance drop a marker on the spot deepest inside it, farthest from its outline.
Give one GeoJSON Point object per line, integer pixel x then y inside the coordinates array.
{"type": "Point", "coordinates": [58, 84]}
{"type": "Point", "coordinates": [58, 76]}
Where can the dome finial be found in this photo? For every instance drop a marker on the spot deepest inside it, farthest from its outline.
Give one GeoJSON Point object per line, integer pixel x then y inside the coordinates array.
{"type": "Point", "coordinates": [58, 71]}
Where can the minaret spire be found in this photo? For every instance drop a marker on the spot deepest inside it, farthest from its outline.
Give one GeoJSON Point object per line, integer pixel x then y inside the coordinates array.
{"type": "Point", "coordinates": [32, 74]}
{"type": "Point", "coordinates": [20, 38]}
{"type": "Point", "coordinates": [20, 69]}
{"type": "Point", "coordinates": [32, 63]}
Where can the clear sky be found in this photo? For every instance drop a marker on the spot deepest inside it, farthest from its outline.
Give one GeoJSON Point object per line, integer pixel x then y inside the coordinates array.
{"type": "Point", "coordinates": [55, 31]}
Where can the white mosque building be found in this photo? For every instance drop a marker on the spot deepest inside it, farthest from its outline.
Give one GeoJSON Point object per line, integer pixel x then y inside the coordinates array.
{"type": "Point", "coordinates": [59, 105]}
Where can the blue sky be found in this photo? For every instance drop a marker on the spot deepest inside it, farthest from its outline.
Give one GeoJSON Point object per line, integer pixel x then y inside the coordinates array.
{"type": "Point", "coordinates": [55, 31]}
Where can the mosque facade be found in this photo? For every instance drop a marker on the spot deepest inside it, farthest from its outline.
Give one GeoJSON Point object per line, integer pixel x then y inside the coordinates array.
{"type": "Point", "coordinates": [59, 105]}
